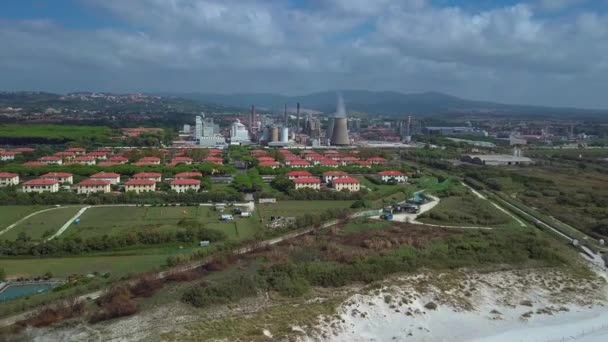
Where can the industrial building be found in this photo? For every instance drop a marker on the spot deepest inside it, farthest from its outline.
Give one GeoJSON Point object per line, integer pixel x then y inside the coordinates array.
{"type": "Point", "coordinates": [239, 133]}
{"type": "Point", "coordinates": [495, 159]}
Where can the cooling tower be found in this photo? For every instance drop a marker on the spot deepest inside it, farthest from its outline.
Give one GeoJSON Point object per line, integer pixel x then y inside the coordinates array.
{"type": "Point", "coordinates": [340, 132]}
{"type": "Point", "coordinates": [275, 134]}
{"type": "Point", "coordinates": [285, 135]}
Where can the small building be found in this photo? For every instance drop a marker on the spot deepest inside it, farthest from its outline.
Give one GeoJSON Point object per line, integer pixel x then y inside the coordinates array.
{"type": "Point", "coordinates": [77, 150]}
{"type": "Point", "coordinates": [34, 163]}
{"type": "Point", "coordinates": [182, 160]}
{"type": "Point", "coordinates": [98, 155]}
{"type": "Point", "coordinates": [140, 185]}
{"type": "Point", "coordinates": [265, 159]}
{"type": "Point", "coordinates": [495, 159]}
{"type": "Point", "coordinates": [41, 185]}
{"type": "Point", "coordinates": [85, 160]}
{"type": "Point", "coordinates": [298, 163]}
{"type": "Point", "coordinates": [157, 177]}
{"type": "Point", "coordinates": [9, 179]}
{"type": "Point", "coordinates": [376, 160]}
{"type": "Point", "coordinates": [346, 183]}
{"type": "Point", "coordinates": [65, 155]}
{"type": "Point", "coordinates": [51, 160]}
{"type": "Point", "coordinates": [329, 163]}
{"type": "Point", "coordinates": [61, 177]}
{"type": "Point", "coordinates": [362, 163]}
{"type": "Point", "coordinates": [118, 159]}
{"type": "Point", "coordinates": [149, 161]}
{"type": "Point", "coordinates": [331, 175]}
{"type": "Point", "coordinates": [389, 175]}
{"type": "Point", "coordinates": [298, 174]}
{"type": "Point", "coordinates": [24, 150]}
{"type": "Point", "coordinates": [89, 186]}
{"type": "Point", "coordinates": [183, 185]}
{"type": "Point", "coordinates": [307, 183]}
{"type": "Point", "coordinates": [113, 178]}
{"type": "Point", "coordinates": [214, 160]}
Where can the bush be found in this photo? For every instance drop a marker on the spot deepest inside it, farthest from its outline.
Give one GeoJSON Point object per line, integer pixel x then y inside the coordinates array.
{"type": "Point", "coordinates": [146, 286]}
{"type": "Point", "coordinates": [118, 302]}
{"type": "Point", "coordinates": [55, 313]}
{"type": "Point", "coordinates": [223, 292]}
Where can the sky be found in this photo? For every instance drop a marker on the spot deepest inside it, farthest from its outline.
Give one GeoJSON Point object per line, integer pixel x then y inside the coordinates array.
{"type": "Point", "coordinates": [541, 52]}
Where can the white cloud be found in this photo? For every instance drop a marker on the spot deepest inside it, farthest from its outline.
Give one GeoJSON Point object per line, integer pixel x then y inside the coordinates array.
{"type": "Point", "coordinates": [506, 53]}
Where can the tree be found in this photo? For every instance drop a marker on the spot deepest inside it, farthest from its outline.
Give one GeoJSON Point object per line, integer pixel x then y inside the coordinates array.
{"type": "Point", "coordinates": [2, 274]}
{"type": "Point", "coordinates": [282, 183]}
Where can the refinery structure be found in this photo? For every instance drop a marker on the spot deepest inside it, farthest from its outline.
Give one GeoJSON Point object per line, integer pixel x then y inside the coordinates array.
{"type": "Point", "coordinates": [297, 127]}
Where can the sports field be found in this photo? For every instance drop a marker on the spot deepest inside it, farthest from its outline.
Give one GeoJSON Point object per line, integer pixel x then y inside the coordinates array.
{"type": "Point", "coordinates": [42, 224]}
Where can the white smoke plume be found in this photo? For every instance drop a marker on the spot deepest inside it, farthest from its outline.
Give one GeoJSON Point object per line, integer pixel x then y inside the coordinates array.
{"type": "Point", "coordinates": [340, 110]}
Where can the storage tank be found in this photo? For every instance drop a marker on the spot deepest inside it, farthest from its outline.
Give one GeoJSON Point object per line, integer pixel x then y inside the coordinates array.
{"type": "Point", "coordinates": [285, 135]}
{"type": "Point", "coordinates": [274, 137]}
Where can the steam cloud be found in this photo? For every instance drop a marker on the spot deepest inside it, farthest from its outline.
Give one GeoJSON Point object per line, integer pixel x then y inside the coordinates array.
{"type": "Point", "coordinates": [340, 110]}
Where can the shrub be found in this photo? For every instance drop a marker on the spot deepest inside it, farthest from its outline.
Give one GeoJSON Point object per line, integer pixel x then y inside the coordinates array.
{"type": "Point", "coordinates": [146, 286]}
{"type": "Point", "coordinates": [118, 302]}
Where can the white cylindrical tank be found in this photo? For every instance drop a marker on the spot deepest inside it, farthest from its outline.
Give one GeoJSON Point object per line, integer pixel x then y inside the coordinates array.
{"type": "Point", "coordinates": [285, 135]}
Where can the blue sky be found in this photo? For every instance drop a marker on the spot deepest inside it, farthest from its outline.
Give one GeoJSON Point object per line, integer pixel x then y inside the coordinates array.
{"type": "Point", "coordinates": [548, 52]}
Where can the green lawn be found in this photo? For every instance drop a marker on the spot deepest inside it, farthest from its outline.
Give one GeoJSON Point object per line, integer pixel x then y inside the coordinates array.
{"type": "Point", "coordinates": [12, 213]}
{"type": "Point", "coordinates": [99, 221]}
{"type": "Point", "coordinates": [36, 226]}
{"type": "Point", "coordinates": [298, 208]}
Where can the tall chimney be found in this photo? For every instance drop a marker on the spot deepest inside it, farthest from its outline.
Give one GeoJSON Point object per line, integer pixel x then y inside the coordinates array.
{"type": "Point", "coordinates": [298, 117]}
{"type": "Point", "coordinates": [339, 132]}
{"type": "Point", "coordinates": [252, 118]}
{"type": "Point", "coordinates": [285, 116]}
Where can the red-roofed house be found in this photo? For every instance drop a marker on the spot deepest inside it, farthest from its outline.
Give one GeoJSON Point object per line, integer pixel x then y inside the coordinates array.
{"type": "Point", "coordinates": [183, 185]}
{"type": "Point", "coordinates": [77, 150]}
{"type": "Point", "coordinates": [8, 179]}
{"type": "Point", "coordinates": [363, 163]}
{"type": "Point", "coordinates": [41, 185]}
{"type": "Point", "coordinates": [61, 177]}
{"type": "Point", "coordinates": [106, 163]}
{"type": "Point", "coordinates": [265, 159]}
{"type": "Point", "coordinates": [98, 155]}
{"type": "Point", "coordinates": [214, 160]}
{"type": "Point", "coordinates": [148, 175]}
{"type": "Point", "coordinates": [182, 160]}
{"type": "Point", "coordinates": [89, 186]}
{"type": "Point", "coordinates": [113, 178]}
{"type": "Point", "coordinates": [34, 163]}
{"type": "Point", "coordinates": [376, 160]}
{"type": "Point", "coordinates": [65, 155]}
{"type": "Point", "coordinates": [349, 160]}
{"type": "Point", "coordinates": [183, 175]}
{"type": "Point", "coordinates": [118, 159]}
{"type": "Point", "coordinates": [329, 163]}
{"type": "Point", "coordinates": [331, 175]}
{"type": "Point", "coordinates": [392, 174]}
{"type": "Point", "coordinates": [258, 153]}
{"type": "Point", "coordinates": [7, 155]}
{"type": "Point", "coordinates": [24, 150]}
{"type": "Point", "coordinates": [298, 174]}
{"type": "Point", "coordinates": [85, 160]}
{"type": "Point", "coordinates": [51, 160]}
{"type": "Point", "coordinates": [149, 161]}
{"type": "Point", "coordinates": [346, 183]}
{"type": "Point", "coordinates": [107, 150]}
{"type": "Point", "coordinates": [299, 163]}
{"type": "Point", "coordinates": [307, 183]}
{"type": "Point", "coordinates": [140, 185]}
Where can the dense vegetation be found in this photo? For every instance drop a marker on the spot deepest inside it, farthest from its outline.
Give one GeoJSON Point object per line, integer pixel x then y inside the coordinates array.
{"type": "Point", "coordinates": [322, 264]}
{"type": "Point", "coordinates": [465, 210]}
{"type": "Point", "coordinates": [51, 134]}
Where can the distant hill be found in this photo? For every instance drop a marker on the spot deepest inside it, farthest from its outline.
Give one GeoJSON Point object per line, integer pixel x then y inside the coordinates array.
{"type": "Point", "coordinates": [386, 102]}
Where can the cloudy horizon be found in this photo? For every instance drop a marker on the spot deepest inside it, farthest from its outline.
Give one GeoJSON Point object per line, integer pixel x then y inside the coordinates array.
{"type": "Point", "coordinates": [538, 52]}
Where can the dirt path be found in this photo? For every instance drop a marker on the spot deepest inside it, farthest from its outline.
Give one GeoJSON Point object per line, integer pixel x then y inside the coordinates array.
{"type": "Point", "coordinates": [478, 194]}
{"type": "Point", "coordinates": [29, 216]}
{"type": "Point", "coordinates": [68, 223]}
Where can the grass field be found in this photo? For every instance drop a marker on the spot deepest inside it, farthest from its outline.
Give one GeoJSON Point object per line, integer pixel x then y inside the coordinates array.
{"type": "Point", "coordinates": [62, 132]}
{"type": "Point", "coordinates": [12, 213]}
{"type": "Point", "coordinates": [36, 226]}
{"type": "Point", "coordinates": [468, 211]}
{"type": "Point", "coordinates": [298, 208]}
{"type": "Point", "coordinates": [119, 220]}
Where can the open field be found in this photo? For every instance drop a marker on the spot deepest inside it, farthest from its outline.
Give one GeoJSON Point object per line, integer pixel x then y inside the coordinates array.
{"type": "Point", "coordinates": [12, 213]}
{"type": "Point", "coordinates": [298, 208]}
{"type": "Point", "coordinates": [468, 210]}
{"type": "Point", "coordinates": [53, 132]}
{"type": "Point", "coordinates": [39, 226]}
{"type": "Point", "coordinates": [99, 221]}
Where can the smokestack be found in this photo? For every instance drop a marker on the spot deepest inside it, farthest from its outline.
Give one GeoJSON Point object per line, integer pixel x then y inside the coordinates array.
{"type": "Point", "coordinates": [298, 117]}
{"type": "Point", "coordinates": [252, 118]}
{"type": "Point", "coordinates": [285, 116]}
{"type": "Point", "coordinates": [339, 136]}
